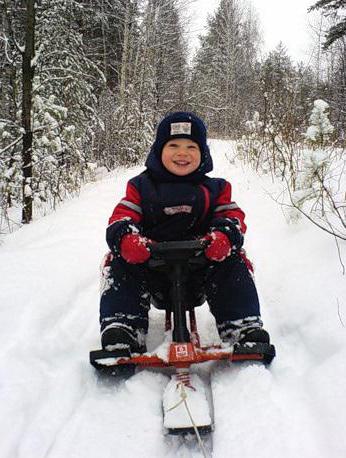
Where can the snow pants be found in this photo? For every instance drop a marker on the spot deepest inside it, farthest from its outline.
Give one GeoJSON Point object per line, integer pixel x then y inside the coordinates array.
{"type": "Point", "coordinates": [227, 286]}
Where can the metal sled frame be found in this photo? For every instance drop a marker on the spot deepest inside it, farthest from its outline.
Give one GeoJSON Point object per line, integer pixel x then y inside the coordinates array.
{"type": "Point", "coordinates": [183, 355]}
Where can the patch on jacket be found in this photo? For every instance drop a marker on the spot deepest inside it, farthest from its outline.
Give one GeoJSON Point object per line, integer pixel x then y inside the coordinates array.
{"type": "Point", "coordinates": [178, 209]}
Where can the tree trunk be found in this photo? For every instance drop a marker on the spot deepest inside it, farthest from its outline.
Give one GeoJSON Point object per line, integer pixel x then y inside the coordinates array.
{"type": "Point", "coordinates": [28, 76]}
{"type": "Point", "coordinates": [104, 43]}
{"type": "Point", "coordinates": [125, 55]}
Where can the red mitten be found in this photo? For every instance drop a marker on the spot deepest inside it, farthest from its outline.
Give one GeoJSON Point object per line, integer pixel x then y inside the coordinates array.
{"type": "Point", "coordinates": [134, 249]}
{"type": "Point", "coordinates": [219, 247]}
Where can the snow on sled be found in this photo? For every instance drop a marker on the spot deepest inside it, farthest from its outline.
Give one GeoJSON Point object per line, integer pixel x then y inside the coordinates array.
{"type": "Point", "coordinates": [185, 401]}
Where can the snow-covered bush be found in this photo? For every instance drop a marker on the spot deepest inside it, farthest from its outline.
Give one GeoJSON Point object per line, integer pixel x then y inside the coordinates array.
{"type": "Point", "coordinates": [320, 128]}
{"type": "Point", "coordinates": [320, 192]}
{"type": "Point", "coordinates": [268, 149]}
{"type": "Point", "coordinates": [314, 177]}
{"type": "Point", "coordinates": [250, 147]}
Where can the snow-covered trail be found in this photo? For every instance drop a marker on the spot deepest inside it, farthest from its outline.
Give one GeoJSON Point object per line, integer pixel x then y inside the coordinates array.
{"type": "Point", "coordinates": [53, 404]}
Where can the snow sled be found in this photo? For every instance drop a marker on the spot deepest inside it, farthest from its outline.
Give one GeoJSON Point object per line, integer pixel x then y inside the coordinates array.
{"type": "Point", "coordinates": [185, 403]}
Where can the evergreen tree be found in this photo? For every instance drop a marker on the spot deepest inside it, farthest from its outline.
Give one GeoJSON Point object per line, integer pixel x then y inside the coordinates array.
{"type": "Point", "coordinates": [53, 111]}
{"type": "Point", "coordinates": [320, 127]}
{"type": "Point", "coordinates": [102, 24]}
{"type": "Point", "coordinates": [277, 87]}
{"type": "Point", "coordinates": [170, 59]}
{"type": "Point", "coordinates": [336, 9]}
{"type": "Point", "coordinates": [223, 83]}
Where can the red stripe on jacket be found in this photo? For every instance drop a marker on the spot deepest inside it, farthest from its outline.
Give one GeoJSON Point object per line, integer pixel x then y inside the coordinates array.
{"type": "Point", "coordinates": [122, 211]}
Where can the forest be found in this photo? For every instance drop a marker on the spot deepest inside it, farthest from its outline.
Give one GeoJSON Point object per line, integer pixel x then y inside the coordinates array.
{"type": "Point", "coordinates": [83, 83]}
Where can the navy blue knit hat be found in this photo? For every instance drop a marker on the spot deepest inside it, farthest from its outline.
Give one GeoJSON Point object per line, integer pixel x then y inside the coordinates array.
{"type": "Point", "coordinates": [181, 124]}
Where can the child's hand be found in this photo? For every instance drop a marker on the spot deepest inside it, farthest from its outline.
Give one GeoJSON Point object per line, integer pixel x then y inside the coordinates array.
{"type": "Point", "coordinates": [134, 248]}
{"type": "Point", "coordinates": [219, 247]}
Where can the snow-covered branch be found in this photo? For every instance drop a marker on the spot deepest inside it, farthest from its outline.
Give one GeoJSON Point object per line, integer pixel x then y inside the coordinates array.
{"type": "Point", "coordinates": [11, 145]}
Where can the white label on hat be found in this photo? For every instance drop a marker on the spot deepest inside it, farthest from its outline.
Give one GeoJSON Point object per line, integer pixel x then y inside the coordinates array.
{"type": "Point", "coordinates": [178, 128]}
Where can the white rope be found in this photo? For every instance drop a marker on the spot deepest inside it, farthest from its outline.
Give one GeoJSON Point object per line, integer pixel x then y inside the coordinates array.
{"type": "Point", "coordinates": [183, 396]}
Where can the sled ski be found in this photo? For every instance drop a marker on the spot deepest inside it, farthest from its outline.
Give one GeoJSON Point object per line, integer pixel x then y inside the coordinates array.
{"type": "Point", "coordinates": [203, 430]}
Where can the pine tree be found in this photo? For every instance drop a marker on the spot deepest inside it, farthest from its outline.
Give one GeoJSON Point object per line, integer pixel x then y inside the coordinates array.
{"type": "Point", "coordinates": [224, 70]}
{"type": "Point", "coordinates": [171, 59]}
{"type": "Point", "coordinates": [336, 9]}
{"type": "Point", "coordinates": [56, 86]}
{"type": "Point", "coordinates": [279, 89]}
{"type": "Point", "coordinates": [320, 127]}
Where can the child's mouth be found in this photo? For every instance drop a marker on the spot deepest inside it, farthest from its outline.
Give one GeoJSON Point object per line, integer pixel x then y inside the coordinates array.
{"type": "Point", "coordinates": [181, 163]}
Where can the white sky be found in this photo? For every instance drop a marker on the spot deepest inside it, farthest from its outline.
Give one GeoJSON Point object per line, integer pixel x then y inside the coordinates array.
{"type": "Point", "coordinates": [280, 20]}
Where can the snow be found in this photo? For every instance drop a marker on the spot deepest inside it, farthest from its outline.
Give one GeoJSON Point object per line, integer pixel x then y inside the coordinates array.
{"type": "Point", "coordinates": [27, 190]}
{"type": "Point", "coordinates": [54, 405]}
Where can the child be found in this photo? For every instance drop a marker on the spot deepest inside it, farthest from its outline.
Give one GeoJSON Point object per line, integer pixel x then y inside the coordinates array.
{"type": "Point", "coordinates": [173, 199]}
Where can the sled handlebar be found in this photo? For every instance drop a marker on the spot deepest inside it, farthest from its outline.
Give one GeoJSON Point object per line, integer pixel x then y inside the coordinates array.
{"type": "Point", "coordinates": [185, 251]}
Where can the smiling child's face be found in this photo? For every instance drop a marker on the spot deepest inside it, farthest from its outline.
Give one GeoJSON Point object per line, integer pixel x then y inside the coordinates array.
{"type": "Point", "coordinates": [181, 156]}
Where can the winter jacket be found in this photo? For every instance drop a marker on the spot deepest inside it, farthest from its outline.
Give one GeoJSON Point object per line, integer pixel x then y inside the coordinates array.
{"type": "Point", "coordinates": [164, 207]}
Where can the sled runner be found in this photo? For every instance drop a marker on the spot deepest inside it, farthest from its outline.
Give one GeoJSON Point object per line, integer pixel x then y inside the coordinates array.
{"type": "Point", "coordinates": [185, 401]}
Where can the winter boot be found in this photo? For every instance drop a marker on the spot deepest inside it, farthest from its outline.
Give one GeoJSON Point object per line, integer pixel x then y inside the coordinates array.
{"type": "Point", "coordinates": [244, 330]}
{"type": "Point", "coordinates": [258, 335]}
{"type": "Point", "coordinates": [116, 336]}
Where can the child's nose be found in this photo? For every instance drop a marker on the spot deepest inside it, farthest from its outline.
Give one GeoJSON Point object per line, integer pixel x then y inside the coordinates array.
{"type": "Point", "coordinates": [182, 151]}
